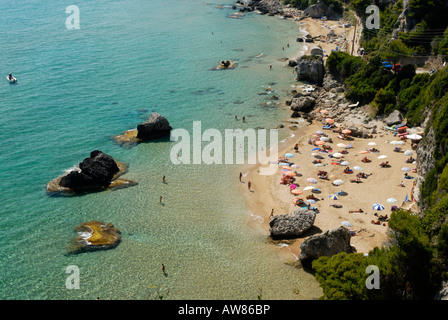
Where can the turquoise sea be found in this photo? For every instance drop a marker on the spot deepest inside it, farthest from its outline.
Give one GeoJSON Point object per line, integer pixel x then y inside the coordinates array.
{"type": "Point", "coordinates": [77, 89]}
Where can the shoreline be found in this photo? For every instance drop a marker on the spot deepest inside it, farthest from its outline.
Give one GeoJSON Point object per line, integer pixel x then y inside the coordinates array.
{"type": "Point", "coordinates": [267, 192]}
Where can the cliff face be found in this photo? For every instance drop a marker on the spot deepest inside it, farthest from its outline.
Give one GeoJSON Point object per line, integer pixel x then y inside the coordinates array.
{"type": "Point", "coordinates": [425, 163]}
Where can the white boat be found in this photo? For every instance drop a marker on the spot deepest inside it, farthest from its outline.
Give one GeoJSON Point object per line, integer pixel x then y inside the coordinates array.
{"type": "Point", "coordinates": [13, 80]}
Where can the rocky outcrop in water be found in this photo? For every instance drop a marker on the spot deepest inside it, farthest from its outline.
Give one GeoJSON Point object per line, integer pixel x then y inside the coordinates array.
{"type": "Point", "coordinates": [98, 172]}
{"type": "Point", "coordinates": [325, 244]}
{"type": "Point", "coordinates": [155, 127]}
{"type": "Point", "coordinates": [289, 226]}
{"type": "Point", "coordinates": [310, 68]}
{"type": "Point", "coordinates": [94, 235]}
{"type": "Point", "coordinates": [94, 172]}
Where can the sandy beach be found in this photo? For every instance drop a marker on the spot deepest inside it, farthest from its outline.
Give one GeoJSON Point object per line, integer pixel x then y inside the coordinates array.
{"type": "Point", "coordinates": [341, 39]}
{"type": "Point", "coordinates": [380, 184]}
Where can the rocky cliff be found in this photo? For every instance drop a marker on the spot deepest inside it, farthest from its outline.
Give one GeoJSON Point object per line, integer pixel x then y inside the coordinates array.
{"type": "Point", "coordinates": [267, 6]}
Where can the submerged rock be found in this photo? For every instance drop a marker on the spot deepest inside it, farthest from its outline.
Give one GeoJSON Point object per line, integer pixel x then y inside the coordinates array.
{"type": "Point", "coordinates": [325, 244]}
{"type": "Point", "coordinates": [289, 226]}
{"type": "Point", "coordinates": [94, 235]}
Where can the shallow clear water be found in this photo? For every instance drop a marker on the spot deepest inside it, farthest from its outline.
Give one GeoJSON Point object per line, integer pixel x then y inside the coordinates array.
{"type": "Point", "coordinates": [77, 89]}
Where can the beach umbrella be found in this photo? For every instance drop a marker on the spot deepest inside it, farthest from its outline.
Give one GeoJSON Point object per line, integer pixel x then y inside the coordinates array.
{"type": "Point", "coordinates": [319, 165]}
{"type": "Point", "coordinates": [363, 152]}
{"type": "Point", "coordinates": [346, 131]}
{"type": "Point", "coordinates": [371, 144]}
{"type": "Point", "coordinates": [391, 200]}
{"type": "Point", "coordinates": [329, 120]}
{"type": "Point", "coordinates": [289, 155]}
{"type": "Point", "coordinates": [319, 132]}
{"type": "Point", "coordinates": [349, 146]}
{"type": "Point", "coordinates": [414, 137]}
{"type": "Point", "coordinates": [320, 143]}
{"type": "Point", "coordinates": [325, 139]}
{"type": "Point", "coordinates": [317, 190]}
{"type": "Point", "coordinates": [295, 166]}
{"type": "Point", "coordinates": [308, 188]}
{"type": "Point", "coordinates": [286, 167]}
{"type": "Point", "coordinates": [338, 155]}
{"type": "Point", "coordinates": [311, 180]}
{"type": "Point", "coordinates": [296, 192]}
{"type": "Point", "coordinates": [311, 201]}
{"type": "Point", "coordinates": [382, 157]}
{"type": "Point", "coordinates": [315, 149]}
{"type": "Point", "coordinates": [313, 154]}
{"type": "Point", "coordinates": [341, 193]}
{"type": "Point", "coordinates": [346, 224]}
{"type": "Point", "coordinates": [405, 169]}
{"type": "Point", "coordinates": [290, 174]}
{"type": "Point", "coordinates": [397, 142]}
{"type": "Point", "coordinates": [318, 157]}
{"type": "Point", "coordinates": [357, 168]}
{"type": "Point", "coordinates": [378, 206]}
{"type": "Point", "coordinates": [338, 182]}
{"type": "Point", "coordinates": [292, 187]}
{"type": "Point", "coordinates": [334, 197]}
{"type": "Point", "coordinates": [341, 145]}
{"type": "Point", "coordinates": [408, 153]}
{"type": "Point", "coordinates": [345, 163]}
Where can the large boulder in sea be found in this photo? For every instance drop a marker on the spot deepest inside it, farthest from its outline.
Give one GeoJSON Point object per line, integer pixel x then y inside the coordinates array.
{"type": "Point", "coordinates": [94, 172]}
{"type": "Point", "coordinates": [98, 172]}
{"type": "Point", "coordinates": [155, 127]}
{"type": "Point", "coordinates": [325, 244]}
{"type": "Point", "coordinates": [310, 68]}
{"type": "Point", "coordinates": [290, 226]}
{"type": "Point", "coordinates": [94, 235]}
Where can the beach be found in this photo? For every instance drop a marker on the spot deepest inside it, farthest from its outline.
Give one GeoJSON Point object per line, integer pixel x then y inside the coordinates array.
{"type": "Point", "coordinates": [379, 186]}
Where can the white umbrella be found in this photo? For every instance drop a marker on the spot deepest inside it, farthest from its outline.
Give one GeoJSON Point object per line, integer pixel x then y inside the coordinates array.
{"type": "Point", "coordinates": [405, 169]}
{"type": "Point", "coordinates": [345, 163]}
{"type": "Point", "coordinates": [325, 139]}
{"type": "Point", "coordinates": [391, 200]}
{"type": "Point", "coordinates": [371, 144]}
{"type": "Point", "coordinates": [341, 145]}
{"type": "Point", "coordinates": [346, 224]}
{"type": "Point", "coordinates": [338, 182]}
{"type": "Point", "coordinates": [338, 155]}
{"type": "Point", "coordinates": [397, 142]}
{"type": "Point", "coordinates": [408, 153]}
{"type": "Point", "coordinates": [357, 168]}
{"type": "Point", "coordinates": [382, 157]}
{"type": "Point", "coordinates": [378, 206]}
{"type": "Point", "coordinates": [294, 166]}
{"type": "Point", "coordinates": [312, 180]}
{"type": "Point", "coordinates": [319, 132]}
{"type": "Point", "coordinates": [414, 137]}
{"type": "Point", "coordinates": [308, 188]}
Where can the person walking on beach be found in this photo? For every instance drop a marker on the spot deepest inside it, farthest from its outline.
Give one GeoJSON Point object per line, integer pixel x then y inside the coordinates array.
{"type": "Point", "coordinates": [272, 214]}
{"type": "Point", "coordinates": [296, 147]}
{"type": "Point", "coordinates": [248, 185]}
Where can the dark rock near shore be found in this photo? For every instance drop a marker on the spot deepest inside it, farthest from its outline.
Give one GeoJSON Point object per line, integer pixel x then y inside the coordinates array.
{"type": "Point", "coordinates": [155, 127]}
{"type": "Point", "coordinates": [94, 172]}
{"type": "Point", "coordinates": [303, 103]}
{"type": "Point", "coordinates": [289, 226]}
{"type": "Point", "coordinates": [325, 244]}
{"type": "Point", "coordinates": [394, 118]}
{"type": "Point", "coordinates": [311, 69]}
{"type": "Point", "coordinates": [269, 7]}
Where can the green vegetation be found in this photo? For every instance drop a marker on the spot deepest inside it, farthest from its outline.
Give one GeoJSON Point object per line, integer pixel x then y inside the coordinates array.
{"type": "Point", "coordinates": [415, 262]}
